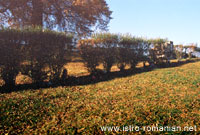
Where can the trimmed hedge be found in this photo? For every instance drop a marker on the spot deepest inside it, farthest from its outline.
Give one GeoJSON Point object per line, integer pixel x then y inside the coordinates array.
{"type": "Point", "coordinates": [90, 53]}
{"type": "Point", "coordinates": [131, 51]}
{"type": "Point", "coordinates": [10, 55]}
{"type": "Point", "coordinates": [39, 54]}
{"type": "Point", "coordinates": [107, 43]}
{"type": "Point", "coordinates": [158, 52]}
{"type": "Point", "coordinates": [42, 54]}
{"type": "Point", "coordinates": [109, 49]}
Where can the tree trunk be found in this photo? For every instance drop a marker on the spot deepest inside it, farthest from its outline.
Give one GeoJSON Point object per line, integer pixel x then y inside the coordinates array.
{"type": "Point", "coordinates": [37, 13]}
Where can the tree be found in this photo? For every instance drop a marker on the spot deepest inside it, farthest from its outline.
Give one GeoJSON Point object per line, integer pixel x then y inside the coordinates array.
{"type": "Point", "coordinates": [78, 16]}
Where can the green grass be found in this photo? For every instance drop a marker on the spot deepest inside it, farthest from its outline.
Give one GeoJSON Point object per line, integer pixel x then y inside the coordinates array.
{"type": "Point", "coordinates": [163, 97]}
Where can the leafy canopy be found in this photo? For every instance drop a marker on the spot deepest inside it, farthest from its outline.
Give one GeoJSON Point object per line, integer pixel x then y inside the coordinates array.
{"type": "Point", "coordinates": [77, 16]}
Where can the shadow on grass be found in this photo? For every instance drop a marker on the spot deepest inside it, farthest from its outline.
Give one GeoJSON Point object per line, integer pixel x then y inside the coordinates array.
{"type": "Point", "coordinates": [92, 79]}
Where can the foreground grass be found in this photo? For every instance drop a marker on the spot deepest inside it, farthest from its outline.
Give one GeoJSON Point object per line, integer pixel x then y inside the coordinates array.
{"type": "Point", "coordinates": [163, 97]}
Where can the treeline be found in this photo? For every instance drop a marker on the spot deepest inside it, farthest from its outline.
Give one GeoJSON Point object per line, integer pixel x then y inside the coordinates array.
{"type": "Point", "coordinates": [42, 54]}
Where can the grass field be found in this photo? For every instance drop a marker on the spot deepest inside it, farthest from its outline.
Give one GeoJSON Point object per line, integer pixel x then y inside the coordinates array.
{"type": "Point", "coordinates": [162, 97]}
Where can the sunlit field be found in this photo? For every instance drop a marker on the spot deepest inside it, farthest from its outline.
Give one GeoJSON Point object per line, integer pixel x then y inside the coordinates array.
{"type": "Point", "coordinates": [161, 97]}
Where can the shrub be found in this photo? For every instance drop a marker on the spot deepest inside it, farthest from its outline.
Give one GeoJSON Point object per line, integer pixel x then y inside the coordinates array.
{"type": "Point", "coordinates": [45, 52]}
{"type": "Point", "coordinates": [10, 55]}
{"type": "Point", "coordinates": [142, 50]}
{"type": "Point", "coordinates": [122, 57]}
{"type": "Point", "coordinates": [90, 53]}
{"type": "Point", "coordinates": [179, 51]}
{"type": "Point", "coordinates": [158, 51]}
{"type": "Point", "coordinates": [189, 50]}
{"type": "Point", "coordinates": [107, 43]}
{"type": "Point", "coordinates": [127, 52]}
{"type": "Point", "coordinates": [38, 53]}
{"type": "Point", "coordinates": [110, 49]}
{"type": "Point", "coordinates": [131, 51]}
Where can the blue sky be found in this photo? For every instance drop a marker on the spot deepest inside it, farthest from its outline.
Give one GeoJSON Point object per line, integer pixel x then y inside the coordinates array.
{"type": "Point", "coordinates": [177, 20]}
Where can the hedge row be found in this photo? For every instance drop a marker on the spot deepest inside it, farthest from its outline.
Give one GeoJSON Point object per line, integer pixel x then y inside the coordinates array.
{"type": "Point", "coordinates": [39, 54]}
{"type": "Point", "coordinates": [110, 49]}
{"type": "Point", "coordinates": [42, 54]}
